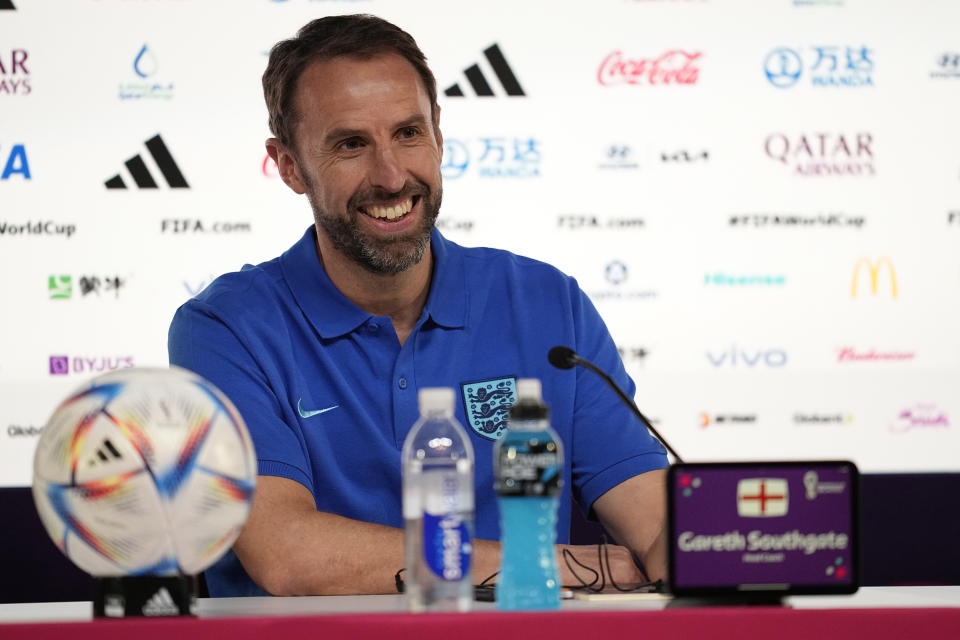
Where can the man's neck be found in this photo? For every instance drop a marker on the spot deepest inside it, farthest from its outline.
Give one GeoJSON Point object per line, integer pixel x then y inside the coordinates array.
{"type": "Point", "coordinates": [401, 296]}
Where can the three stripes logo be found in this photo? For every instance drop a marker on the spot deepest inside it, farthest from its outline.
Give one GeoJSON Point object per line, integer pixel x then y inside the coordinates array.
{"type": "Point", "coordinates": [141, 173]}
{"type": "Point", "coordinates": [105, 453]}
{"type": "Point", "coordinates": [7, 4]}
{"type": "Point", "coordinates": [478, 81]}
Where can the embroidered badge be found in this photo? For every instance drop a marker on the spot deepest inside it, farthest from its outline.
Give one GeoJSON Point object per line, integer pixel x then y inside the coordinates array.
{"type": "Point", "coordinates": [486, 404]}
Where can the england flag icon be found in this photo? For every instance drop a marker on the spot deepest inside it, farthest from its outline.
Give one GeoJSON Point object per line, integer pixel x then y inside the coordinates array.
{"type": "Point", "coordinates": [762, 497]}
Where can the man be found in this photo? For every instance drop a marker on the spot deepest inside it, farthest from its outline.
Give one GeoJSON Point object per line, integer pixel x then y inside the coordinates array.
{"type": "Point", "coordinates": [323, 349]}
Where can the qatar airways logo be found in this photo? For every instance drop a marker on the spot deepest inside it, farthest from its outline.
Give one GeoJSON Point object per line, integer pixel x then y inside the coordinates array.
{"type": "Point", "coordinates": [850, 354]}
{"type": "Point", "coordinates": [676, 66]}
{"type": "Point", "coordinates": [920, 417]}
{"type": "Point", "coordinates": [823, 154]}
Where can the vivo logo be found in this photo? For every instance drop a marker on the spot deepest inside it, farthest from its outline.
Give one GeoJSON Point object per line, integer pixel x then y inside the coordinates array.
{"type": "Point", "coordinates": [735, 357]}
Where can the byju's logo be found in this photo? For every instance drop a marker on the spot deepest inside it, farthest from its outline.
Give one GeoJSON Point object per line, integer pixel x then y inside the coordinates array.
{"type": "Point", "coordinates": [947, 65]}
{"type": "Point", "coordinates": [147, 86]}
{"type": "Point", "coordinates": [829, 66]}
{"type": "Point", "coordinates": [16, 164]}
{"type": "Point", "coordinates": [478, 81]}
{"type": "Point", "coordinates": [14, 75]}
{"type": "Point", "coordinates": [823, 154]}
{"type": "Point", "coordinates": [925, 416]}
{"type": "Point", "coordinates": [141, 174]}
{"type": "Point", "coordinates": [496, 157]}
{"type": "Point", "coordinates": [673, 67]}
{"type": "Point", "coordinates": [873, 269]}
{"type": "Point", "coordinates": [65, 365]}
{"type": "Point", "coordinates": [751, 358]}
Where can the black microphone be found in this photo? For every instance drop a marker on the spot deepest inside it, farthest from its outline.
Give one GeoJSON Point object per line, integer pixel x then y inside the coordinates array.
{"type": "Point", "coordinates": [566, 358]}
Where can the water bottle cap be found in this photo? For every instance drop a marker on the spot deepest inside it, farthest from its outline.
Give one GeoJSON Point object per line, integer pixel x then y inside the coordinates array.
{"type": "Point", "coordinates": [435, 399]}
{"type": "Point", "coordinates": [529, 389]}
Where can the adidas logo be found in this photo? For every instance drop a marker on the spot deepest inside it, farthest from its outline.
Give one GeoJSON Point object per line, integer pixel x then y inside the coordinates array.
{"type": "Point", "coordinates": [479, 82]}
{"type": "Point", "coordinates": [160, 604]}
{"type": "Point", "coordinates": [141, 174]}
{"type": "Point", "coordinates": [104, 453]}
{"type": "Point", "coordinates": [7, 4]}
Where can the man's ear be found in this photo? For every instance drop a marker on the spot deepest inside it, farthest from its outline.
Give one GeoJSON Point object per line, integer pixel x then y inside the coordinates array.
{"type": "Point", "coordinates": [287, 165]}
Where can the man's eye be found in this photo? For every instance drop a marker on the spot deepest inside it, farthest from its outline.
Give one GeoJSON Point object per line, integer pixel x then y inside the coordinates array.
{"type": "Point", "coordinates": [351, 144]}
{"type": "Point", "coordinates": [409, 132]}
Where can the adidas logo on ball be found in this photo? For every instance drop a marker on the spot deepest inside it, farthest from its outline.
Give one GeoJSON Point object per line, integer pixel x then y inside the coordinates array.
{"type": "Point", "coordinates": [161, 604]}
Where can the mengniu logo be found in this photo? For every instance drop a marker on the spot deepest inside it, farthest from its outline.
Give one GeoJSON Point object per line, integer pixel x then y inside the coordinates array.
{"type": "Point", "coordinates": [16, 164]}
{"type": "Point", "coordinates": [828, 66]}
{"type": "Point", "coordinates": [478, 80]}
{"type": "Point", "coordinates": [873, 268]}
{"type": "Point", "coordinates": [146, 86]}
{"type": "Point", "coordinates": [14, 75]}
{"type": "Point", "coordinates": [141, 174]}
{"type": "Point", "coordinates": [65, 365]}
{"type": "Point", "coordinates": [672, 67]}
{"type": "Point", "coordinates": [920, 417]}
{"type": "Point", "coordinates": [60, 287]}
{"type": "Point", "coordinates": [823, 154]}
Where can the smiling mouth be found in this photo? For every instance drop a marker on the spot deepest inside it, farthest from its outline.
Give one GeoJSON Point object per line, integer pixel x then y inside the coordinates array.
{"type": "Point", "coordinates": [394, 212]}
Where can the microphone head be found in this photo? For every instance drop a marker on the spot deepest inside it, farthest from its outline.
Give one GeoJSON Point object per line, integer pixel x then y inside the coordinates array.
{"type": "Point", "coordinates": [562, 357]}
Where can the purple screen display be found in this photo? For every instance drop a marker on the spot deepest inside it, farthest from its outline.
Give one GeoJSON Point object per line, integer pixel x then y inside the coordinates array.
{"type": "Point", "coordinates": [762, 525]}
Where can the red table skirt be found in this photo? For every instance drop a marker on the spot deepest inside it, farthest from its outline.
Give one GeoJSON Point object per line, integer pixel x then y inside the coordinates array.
{"type": "Point", "coordinates": [727, 623]}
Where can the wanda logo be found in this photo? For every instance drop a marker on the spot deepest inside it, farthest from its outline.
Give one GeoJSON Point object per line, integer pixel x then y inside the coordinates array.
{"type": "Point", "coordinates": [673, 67]}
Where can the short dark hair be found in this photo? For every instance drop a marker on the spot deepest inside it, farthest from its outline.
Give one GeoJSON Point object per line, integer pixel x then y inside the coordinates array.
{"type": "Point", "coordinates": [360, 36]}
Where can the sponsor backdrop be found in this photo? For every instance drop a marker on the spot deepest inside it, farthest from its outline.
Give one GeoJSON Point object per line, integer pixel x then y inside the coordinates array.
{"type": "Point", "coordinates": [761, 198]}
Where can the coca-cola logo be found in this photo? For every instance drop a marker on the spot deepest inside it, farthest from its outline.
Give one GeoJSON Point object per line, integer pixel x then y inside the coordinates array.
{"type": "Point", "coordinates": [673, 67]}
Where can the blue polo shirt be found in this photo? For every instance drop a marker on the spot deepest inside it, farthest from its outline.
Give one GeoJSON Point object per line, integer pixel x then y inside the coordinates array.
{"type": "Point", "coordinates": [329, 395]}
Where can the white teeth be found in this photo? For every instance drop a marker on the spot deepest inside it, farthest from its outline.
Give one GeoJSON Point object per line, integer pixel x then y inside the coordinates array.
{"type": "Point", "coordinates": [391, 213]}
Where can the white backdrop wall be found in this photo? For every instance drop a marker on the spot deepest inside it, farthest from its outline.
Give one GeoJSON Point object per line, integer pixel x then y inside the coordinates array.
{"type": "Point", "coordinates": [712, 172]}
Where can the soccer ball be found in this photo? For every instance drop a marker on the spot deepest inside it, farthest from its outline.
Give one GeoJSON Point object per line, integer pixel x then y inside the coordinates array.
{"type": "Point", "coordinates": [144, 472]}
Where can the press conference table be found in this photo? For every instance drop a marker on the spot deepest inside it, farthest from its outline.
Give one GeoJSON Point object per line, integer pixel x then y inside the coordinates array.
{"type": "Point", "coordinates": [875, 612]}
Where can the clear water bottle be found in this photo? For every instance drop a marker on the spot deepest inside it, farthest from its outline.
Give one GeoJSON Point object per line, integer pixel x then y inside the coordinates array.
{"type": "Point", "coordinates": [528, 464]}
{"type": "Point", "coordinates": [438, 507]}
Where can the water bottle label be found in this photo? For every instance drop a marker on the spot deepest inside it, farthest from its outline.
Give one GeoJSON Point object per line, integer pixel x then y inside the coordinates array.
{"type": "Point", "coordinates": [446, 546]}
{"type": "Point", "coordinates": [525, 469]}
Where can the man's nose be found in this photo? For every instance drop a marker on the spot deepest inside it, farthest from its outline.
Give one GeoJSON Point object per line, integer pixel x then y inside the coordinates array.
{"type": "Point", "coordinates": [386, 171]}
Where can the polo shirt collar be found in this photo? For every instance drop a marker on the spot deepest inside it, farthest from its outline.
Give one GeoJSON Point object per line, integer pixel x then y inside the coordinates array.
{"type": "Point", "coordinates": [333, 315]}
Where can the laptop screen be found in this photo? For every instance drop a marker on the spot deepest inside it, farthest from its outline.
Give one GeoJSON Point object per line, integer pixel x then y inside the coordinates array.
{"type": "Point", "coordinates": [768, 526]}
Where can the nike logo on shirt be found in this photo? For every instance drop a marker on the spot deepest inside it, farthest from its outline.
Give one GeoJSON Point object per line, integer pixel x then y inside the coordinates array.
{"type": "Point", "coordinates": [310, 414]}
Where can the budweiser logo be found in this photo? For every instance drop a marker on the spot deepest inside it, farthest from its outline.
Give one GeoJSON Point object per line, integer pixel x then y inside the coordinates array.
{"type": "Point", "coordinates": [673, 67]}
{"type": "Point", "coordinates": [849, 354]}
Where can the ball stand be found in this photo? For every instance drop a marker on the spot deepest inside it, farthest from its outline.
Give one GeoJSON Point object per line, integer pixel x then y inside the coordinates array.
{"type": "Point", "coordinates": [144, 596]}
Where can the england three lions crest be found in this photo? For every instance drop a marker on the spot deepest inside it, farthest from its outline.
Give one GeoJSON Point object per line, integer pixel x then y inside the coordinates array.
{"type": "Point", "coordinates": [486, 404]}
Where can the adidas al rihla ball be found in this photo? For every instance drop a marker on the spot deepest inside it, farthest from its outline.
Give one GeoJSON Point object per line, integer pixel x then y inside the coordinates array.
{"type": "Point", "coordinates": [144, 472]}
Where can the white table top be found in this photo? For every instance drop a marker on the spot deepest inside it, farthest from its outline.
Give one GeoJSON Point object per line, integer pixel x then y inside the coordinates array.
{"type": "Point", "coordinates": [866, 598]}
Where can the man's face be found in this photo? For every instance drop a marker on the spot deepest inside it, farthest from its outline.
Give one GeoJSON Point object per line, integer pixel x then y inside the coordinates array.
{"type": "Point", "coordinates": [369, 156]}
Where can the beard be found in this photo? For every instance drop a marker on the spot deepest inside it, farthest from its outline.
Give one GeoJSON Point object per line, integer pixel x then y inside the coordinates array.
{"type": "Point", "coordinates": [382, 255]}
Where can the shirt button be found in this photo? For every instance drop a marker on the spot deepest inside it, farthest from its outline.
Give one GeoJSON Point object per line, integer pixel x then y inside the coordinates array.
{"type": "Point", "coordinates": [373, 327]}
{"type": "Point", "coordinates": [402, 383]}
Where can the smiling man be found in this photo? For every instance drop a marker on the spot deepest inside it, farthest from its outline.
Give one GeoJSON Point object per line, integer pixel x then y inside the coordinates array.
{"type": "Point", "coordinates": [323, 349]}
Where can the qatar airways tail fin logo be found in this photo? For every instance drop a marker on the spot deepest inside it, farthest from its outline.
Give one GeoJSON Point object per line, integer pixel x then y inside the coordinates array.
{"type": "Point", "coordinates": [762, 497]}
